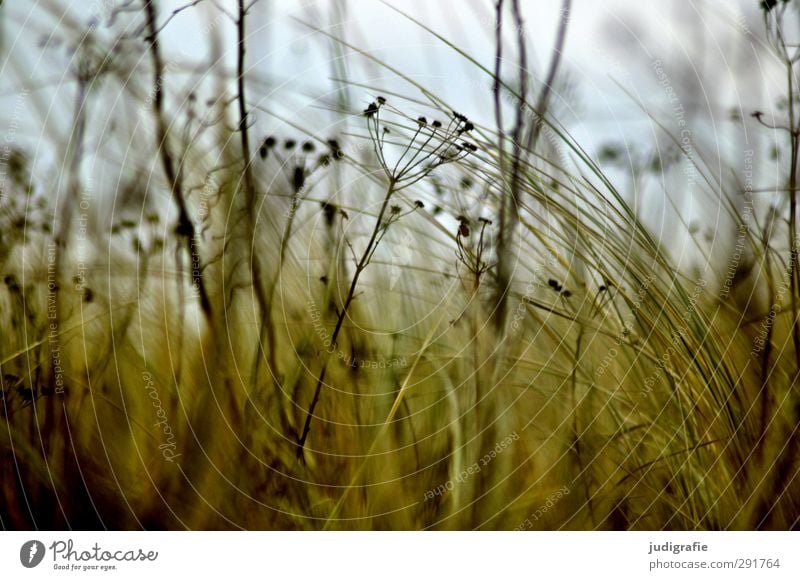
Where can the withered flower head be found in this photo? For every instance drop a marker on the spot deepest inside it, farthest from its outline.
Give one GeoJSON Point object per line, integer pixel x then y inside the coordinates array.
{"type": "Point", "coordinates": [371, 109]}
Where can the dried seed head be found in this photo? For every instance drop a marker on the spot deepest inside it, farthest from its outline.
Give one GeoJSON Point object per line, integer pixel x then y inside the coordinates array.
{"type": "Point", "coordinates": [336, 151]}
{"type": "Point", "coordinates": [290, 144]}
{"type": "Point", "coordinates": [298, 178]}
{"type": "Point", "coordinates": [329, 210]}
{"type": "Point", "coordinates": [768, 5]}
{"type": "Point", "coordinates": [371, 109]}
{"type": "Point", "coordinates": [381, 100]}
{"type": "Point", "coordinates": [308, 146]}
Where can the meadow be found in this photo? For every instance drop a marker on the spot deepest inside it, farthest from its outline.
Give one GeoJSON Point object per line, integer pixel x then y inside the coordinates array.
{"type": "Point", "coordinates": [416, 316]}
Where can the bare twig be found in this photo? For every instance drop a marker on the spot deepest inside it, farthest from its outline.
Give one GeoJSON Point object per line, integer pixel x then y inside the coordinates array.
{"type": "Point", "coordinates": [773, 21]}
{"type": "Point", "coordinates": [265, 319]}
{"type": "Point", "coordinates": [510, 215]}
{"type": "Point", "coordinates": [360, 267]}
{"type": "Point", "coordinates": [185, 227]}
{"type": "Point", "coordinates": [555, 61]}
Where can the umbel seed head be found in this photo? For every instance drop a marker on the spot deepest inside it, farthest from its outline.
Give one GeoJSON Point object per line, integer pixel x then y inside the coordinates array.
{"type": "Point", "coordinates": [430, 146]}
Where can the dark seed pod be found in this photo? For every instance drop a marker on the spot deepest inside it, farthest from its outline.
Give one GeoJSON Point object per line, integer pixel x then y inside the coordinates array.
{"type": "Point", "coordinates": [329, 210]}
{"type": "Point", "coordinates": [184, 228]}
{"type": "Point", "coordinates": [371, 109]}
{"type": "Point", "coordinates": [298, 178]}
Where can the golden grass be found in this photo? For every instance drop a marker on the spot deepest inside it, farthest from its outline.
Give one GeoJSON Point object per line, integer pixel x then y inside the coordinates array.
{"type": "Point", "coordinates": [631, 393]}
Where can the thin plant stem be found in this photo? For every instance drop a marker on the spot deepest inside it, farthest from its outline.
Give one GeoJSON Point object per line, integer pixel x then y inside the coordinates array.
{"type": "Point", "coordinates": [185, 227]}
{"type": "Point", "coordinates": [360, 267]}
